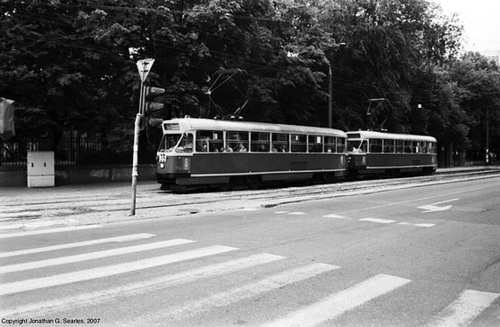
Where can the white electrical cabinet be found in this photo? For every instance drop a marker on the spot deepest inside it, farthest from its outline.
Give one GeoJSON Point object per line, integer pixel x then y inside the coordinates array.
{"type": "Point", "coordinates": [41, 169]}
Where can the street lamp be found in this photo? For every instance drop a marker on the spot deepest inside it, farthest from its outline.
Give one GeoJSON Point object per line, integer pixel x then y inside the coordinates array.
{"type": "Point", "coordinates": [330, 92]}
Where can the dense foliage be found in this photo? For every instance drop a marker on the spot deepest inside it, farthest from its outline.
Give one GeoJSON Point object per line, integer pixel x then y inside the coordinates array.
{"type": "Point", "coordinates": [71, 65]}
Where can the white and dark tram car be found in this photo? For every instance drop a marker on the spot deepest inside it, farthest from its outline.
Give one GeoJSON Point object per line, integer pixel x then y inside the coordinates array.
{"type": "Point", "coordinates": [226, 154]}
{"type": "Point", "coordinates": [388, 154]}
{"type": "Point", "coordinates": [221, 153]}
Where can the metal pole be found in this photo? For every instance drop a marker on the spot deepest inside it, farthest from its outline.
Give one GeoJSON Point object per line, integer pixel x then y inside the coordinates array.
{"type": "Point", "coordinates": [135, 160]}
{"type": "Point", "coordinates": [330, 110]}
{"type": "Point", "coordinates": [487, 136]}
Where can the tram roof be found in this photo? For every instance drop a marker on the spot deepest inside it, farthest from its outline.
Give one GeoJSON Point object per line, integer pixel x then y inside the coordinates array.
{"type": "Point", "coordinates": [389, 136]}
{"type": "Point", "coordinates": [228, 125]}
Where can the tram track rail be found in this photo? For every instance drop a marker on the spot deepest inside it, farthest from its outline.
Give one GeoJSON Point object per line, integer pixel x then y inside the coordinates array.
{"type": "Point", "coordinates": [114, 204]}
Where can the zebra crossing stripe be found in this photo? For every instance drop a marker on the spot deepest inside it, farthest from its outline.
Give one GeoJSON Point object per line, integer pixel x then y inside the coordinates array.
{"type": "Point", "coordinates": [143, 286]}
{"type": "Point", "coordinates": [90, 274]}
{"type": "Point", "coordinates": [49, 231]}
{"type": "Point", "coordinates": [118, 239]}
{"type": "Point", "coordinates": [91, 256]}
{"type": "Point", "coordinates": [244, 292]}
{"type": "Point", "coordinates": [464, 309]}
{"type": "Point", "coordinates": [341, 302]}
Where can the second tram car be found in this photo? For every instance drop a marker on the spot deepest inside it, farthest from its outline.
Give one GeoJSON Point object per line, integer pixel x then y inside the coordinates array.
{"type": "Point", "coordinates": [219, 153]}
{"type": "Point", "coordinates": [376, 153]}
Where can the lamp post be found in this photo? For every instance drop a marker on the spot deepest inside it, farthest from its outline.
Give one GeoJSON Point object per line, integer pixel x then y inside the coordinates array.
{"type": "Point", "coordinates": [330, 91]}
{"type": "Point", "coordinates": [330, 110]}
{"type": "Point", "coordinates": [487, 136]}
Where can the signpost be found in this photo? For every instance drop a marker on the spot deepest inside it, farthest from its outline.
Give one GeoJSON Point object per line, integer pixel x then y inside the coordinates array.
{"type": "Point", "coordinates": [144, 67]}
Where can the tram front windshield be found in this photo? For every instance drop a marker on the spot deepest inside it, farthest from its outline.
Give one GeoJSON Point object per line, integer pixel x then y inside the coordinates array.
{"type": "Point", "coordinates": [357, 146]}
{"type": "Point", "coordinates": [176, 143]}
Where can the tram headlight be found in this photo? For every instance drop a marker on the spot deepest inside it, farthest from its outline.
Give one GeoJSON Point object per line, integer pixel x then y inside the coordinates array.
{"type": "Point", "coordinates": [162, 165]}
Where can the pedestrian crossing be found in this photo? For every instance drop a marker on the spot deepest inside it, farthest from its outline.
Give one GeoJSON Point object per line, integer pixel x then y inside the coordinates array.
{"type": "Point", "coordinates": [298, 293]}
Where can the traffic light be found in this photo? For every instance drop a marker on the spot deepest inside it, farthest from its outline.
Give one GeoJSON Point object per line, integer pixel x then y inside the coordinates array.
{"type": "Point", "coordinates": [151, 93]}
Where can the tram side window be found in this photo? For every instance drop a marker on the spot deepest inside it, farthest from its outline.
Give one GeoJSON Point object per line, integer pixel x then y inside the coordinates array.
{"type": "Point", "coordinates": [330, 144]}
{"type": "Point", "coordinates": [431, 147]}
{"type": "Point", "coordinates": [236, 142]}
{"type": "Point", "coordinates": [376, 145]}
{"type": "Point", "coordinates": [399, 146]}
{"type": "Point", "coordinates": [208, 141]}
{"type": "Point", "coordinates": [280, 143]}
{"type": "Point", "coordinates": [388, 146]}
{"type": "Point", "coordinates": [260, 142]}
{"type": "Point", "coordinates": [299, 143]}
{"type": "Point", "coordinates": [418, 147]}
{"type": "Point", "coordinates": [408, 147]}
{"type": "Point", "coordinates": [423, 148]}
{"type": "Point", "coordinates": [315, 143]}
{"type": "Point", "coordinates": [341, 144]}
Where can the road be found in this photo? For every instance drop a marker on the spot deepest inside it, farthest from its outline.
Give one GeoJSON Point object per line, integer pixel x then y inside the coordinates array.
{"type": "Point", "coordinates": [427, 255]}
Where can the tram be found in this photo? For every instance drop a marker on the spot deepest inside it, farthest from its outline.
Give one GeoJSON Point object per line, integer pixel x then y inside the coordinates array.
{"type": "Point", "coordinates": [198, 153]}
{"type": "Point", "coordinates": [376, 153]}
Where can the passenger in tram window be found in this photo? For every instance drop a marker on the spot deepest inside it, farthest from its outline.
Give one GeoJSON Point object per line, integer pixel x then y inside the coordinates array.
{"type": "Point", "coordinates": [240, 148]}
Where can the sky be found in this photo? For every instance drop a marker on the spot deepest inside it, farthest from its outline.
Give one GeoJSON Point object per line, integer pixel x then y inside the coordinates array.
{"type": "Point", "coordinates": [481, 21]}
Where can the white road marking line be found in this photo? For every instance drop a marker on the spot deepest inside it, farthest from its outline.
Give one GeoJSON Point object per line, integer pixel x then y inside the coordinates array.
{"type": "Point", "coordinates": [297, 213]}
{"type": "Point", "coordinates": [89, 274]}
{"type": "Point", "coordinates": [335, 216]}
{"type": "Point", "coordinates": [250, 209]}
{"type": "Point", "coordinates": [280, 212]}
{"type": "Point", "coordinates": [92, 255]}
{"type": "Point", "coordinates": [464, 309]}
{"type": "Point", "coordinates": [416, 225]}
{"type": "Point", "coordinates": [341, 302]}
{"type": "Point", "coordinates": [143, 286]}
{"type": "Point", "coordinates": [244, 292]}
{"type": "Point", "coordinates": [119, 239]}
{"type": "Point", "coordinates": [452, 200]}
{"type": "Point", "coordinates": [424, 225]}
{"type": "Point", "coordinates": [49, 231]}
{"type": "Point", "coordinates": [378, 220]}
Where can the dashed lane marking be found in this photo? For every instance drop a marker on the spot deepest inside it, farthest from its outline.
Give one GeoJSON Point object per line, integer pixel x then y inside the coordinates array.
{"type": "Point", "coordinates": [417, 225]}
{"type": "Point", "coordinates": [335, 216]}
{"type": "Point", "coordinates": [378, 220]}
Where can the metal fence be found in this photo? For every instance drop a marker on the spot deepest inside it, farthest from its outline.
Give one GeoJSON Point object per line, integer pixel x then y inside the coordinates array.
{"type": "Point", "coordinates": [70, 149]}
